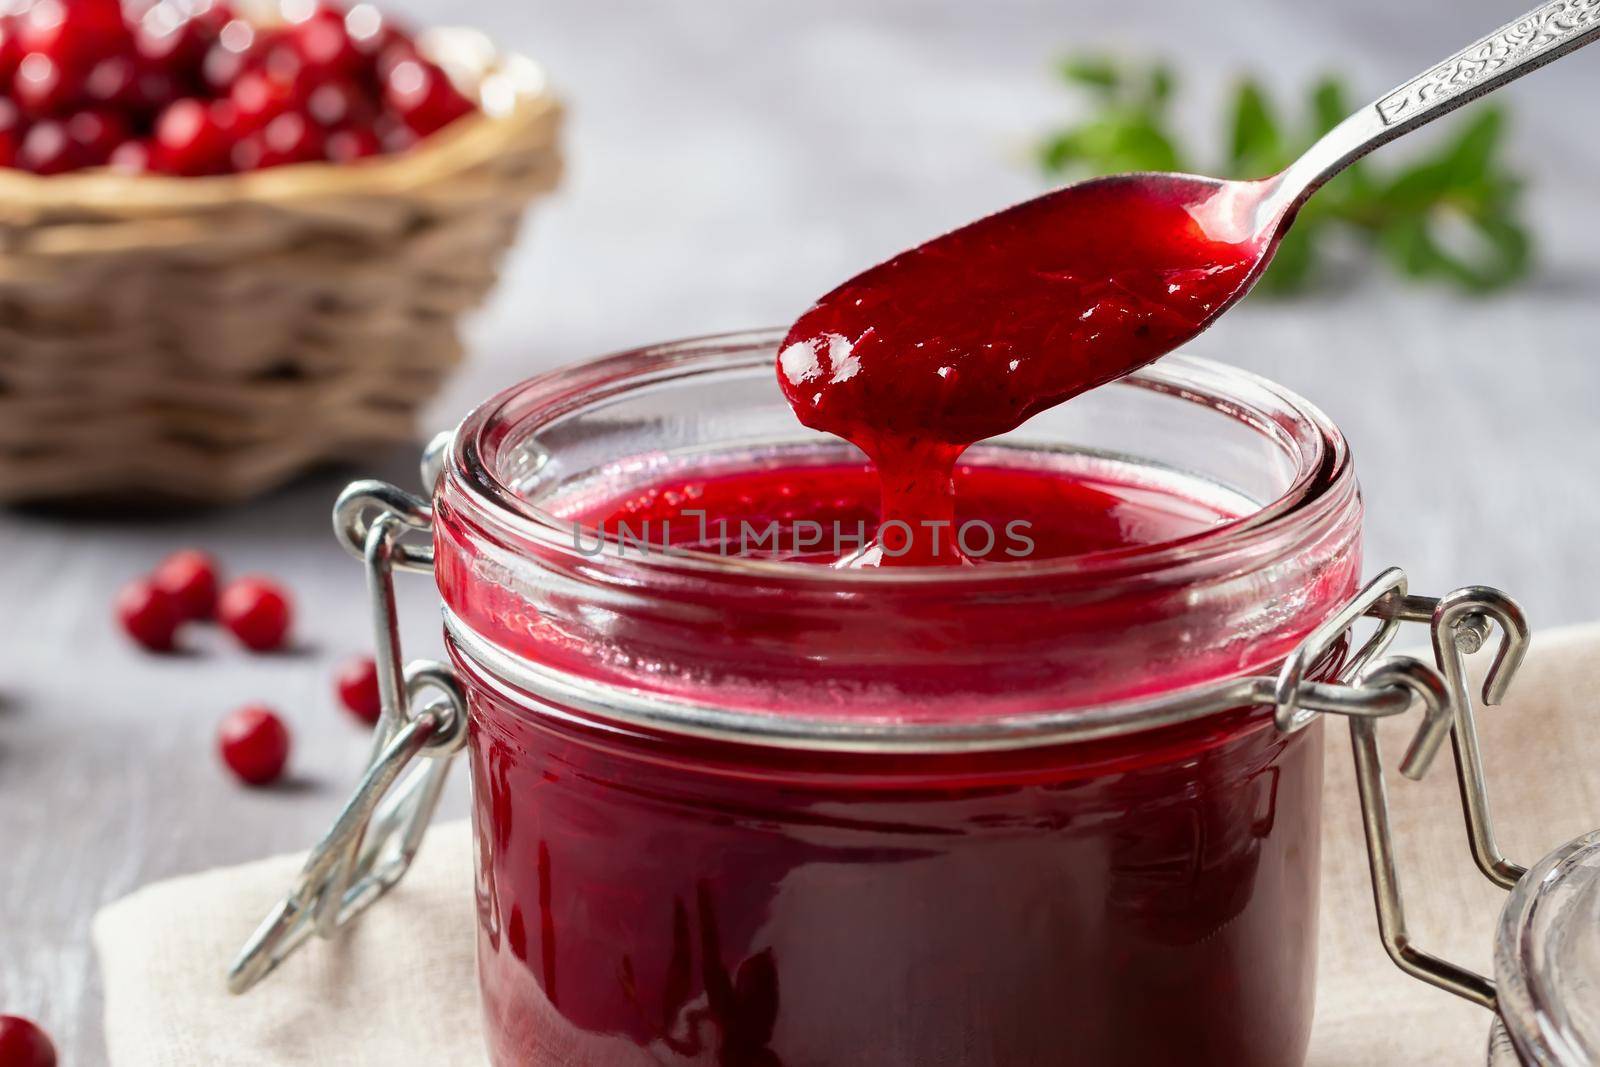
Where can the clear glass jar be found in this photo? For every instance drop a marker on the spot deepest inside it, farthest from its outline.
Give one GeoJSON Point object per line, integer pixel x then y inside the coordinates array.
{"type": "Point", "coordinates": [734, 811]}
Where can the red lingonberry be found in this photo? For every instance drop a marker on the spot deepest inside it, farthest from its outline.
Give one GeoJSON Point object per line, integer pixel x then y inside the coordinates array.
{"type": "Point", "coordinates": [155, 88]}
{"type": "Point", "coordinates": [370, 30]}
{"type": "Point", "coordinates": [257, 612]}
{"type": "Point", "coordinates": [24, 1044]}
{"type": "Point", "coordinates": [148, 614]}
{"type": "Point", "coordinates": [73, 33]}
{"type": "Point", "coordinates": [190, 140]}
{"type": "Point", "coordinates": [254, 743]}
{"type": "Point", "coordinates": [41, 86]}
{"type": "Point", "coordinates": [423, 97]}
{"type": "Point", "coordinates": [95, 134]}
{"type": "Point", "coordinates": [47, 148]}
{"type": "Point", "coordinates": [259, 97]}
{"type": "Point", "coordinates": [289, 138]}
{"type": "Point", "coordinates": [322, 42]}
{"type": "Point", "coordinates": [113, 81]}
{"type": "Point", "coordinates": [229, 57]}
{"type": "Point", "coordinates": [339, 102]}
{"type": "Point", "coordinates": [131, 157]}
{"type": "Point", "coordinates": [190, 576]}
{"type": "Point", "coordinates": [277, 55]}
{"type": "Point", "coordinates": [178, 36]}
{"type": "Point", "coordinates": [10, 48]}
{"type": "Point", "coordinates": [394, 134]}
{"type": "Point", "coordinates": [11, 130]}
{"type": "Point", "coordinates": [395, 51]}
{"type": "Point", "coordinates": [357, 683]}
{"type": "Point", "coordinates": [349, 145]}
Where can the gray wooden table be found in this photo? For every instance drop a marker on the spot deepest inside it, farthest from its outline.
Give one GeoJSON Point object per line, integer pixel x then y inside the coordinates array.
{"type": "Point", "coordinates": [729, 162]}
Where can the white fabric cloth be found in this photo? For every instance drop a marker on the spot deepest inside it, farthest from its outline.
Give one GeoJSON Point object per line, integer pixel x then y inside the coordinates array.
{"type": "Point", "coordinates": [401, 989]}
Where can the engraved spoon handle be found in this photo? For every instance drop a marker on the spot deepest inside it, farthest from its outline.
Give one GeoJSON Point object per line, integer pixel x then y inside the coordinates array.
{"type": "Point", "coordinates": [1543, 35]}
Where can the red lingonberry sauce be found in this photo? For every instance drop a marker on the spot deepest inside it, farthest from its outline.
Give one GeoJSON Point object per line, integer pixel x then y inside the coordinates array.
{"type": "Point", "coordinates": [818, 514]}
{"type": "Point", "coordinates": [650, 898]}
{"type": "Point", "coordinates": [1147, 896]}
{"type": "Point", "coordinates": [967, 336]}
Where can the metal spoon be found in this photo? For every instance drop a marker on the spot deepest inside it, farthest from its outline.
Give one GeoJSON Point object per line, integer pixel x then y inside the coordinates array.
{"type": "Point", "coordinates": [1541, 36]}
{"type": "Point", "coordinates": [967, 335]}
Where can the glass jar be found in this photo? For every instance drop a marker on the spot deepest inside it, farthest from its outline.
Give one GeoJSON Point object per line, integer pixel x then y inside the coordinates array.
{"type": "Point", "coordinates": [740, 811]}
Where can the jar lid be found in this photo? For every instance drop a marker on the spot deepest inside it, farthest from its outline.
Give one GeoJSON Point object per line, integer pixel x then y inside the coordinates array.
{"type": "Point", "coordinates": [1547, 958]}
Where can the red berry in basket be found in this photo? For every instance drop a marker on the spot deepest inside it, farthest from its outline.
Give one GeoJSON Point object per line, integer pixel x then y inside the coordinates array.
{"type": "Point", "coordinates": [423, 97]}
{"type": "Point", "coordinates": [190, 578]}
{"type": "Point", "coordinates": [11, 131]}
{"type": "Point", "coordinates": [229, 57]}
{"type": "Point", "coordinates": [357, 682]}
{"type": "Point", "coordinates": [395, 135]}
{"type": "Point", "coordinates": [10, 48]}
{"type": "Point", "coordinates": [254, 743]}
{"type": "Point", "coordinates": [370, 31]}
{"type": "Point", "coordinates": [289, 138]}
{"type": "Point", "coordinates": [41, 86]}
{"type": "Point", "coordinates": [24, 1044]}
{"type": "Point", "coordinates": [321, 40]}
{"type": "Point", "coordinates": [177, 36]}
{"type": "Point", "coordinates": [257, 612]}
{"type": "Point", "coordinates": [47, 148]}
{"type": "Point", "coordinates": [148, 614]}
{"type": "Point", "coordinates": [396, 51]}
{"type": "Point", "coordinates": [74, 34]}
{"type": "Point", "coordinates": [95, 135]}
{"type": "Point", "coordinates": [349, 145]}
{"type": "Point", "coordinates": [259, 97]}
{"type": "Point", "coordinates": [190, 139]}
{"type": "Point", "coordinates": [155, 88]}
{"type": "Point", "coordinates": [131, 157]}
{"type": "Point", "coordinates": [278, 56]}
{"type": "Point", "coordinates": [113, 81]}
{"type": "Point", "coordinates": [339, 102]}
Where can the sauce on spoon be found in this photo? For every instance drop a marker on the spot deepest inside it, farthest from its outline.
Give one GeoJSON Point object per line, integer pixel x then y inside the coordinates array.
{"type": "Point", "coordinates": [967, 336]}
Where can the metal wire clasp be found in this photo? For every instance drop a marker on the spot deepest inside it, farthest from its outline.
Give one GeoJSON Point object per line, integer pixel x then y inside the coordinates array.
{"type": "Point", "coordinates": [1460, 624]}
{"type": "Point", "coordinates": [424, 715]}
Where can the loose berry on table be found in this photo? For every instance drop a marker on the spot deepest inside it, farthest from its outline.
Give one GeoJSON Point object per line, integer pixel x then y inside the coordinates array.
{"type": "Point", "coordinates": [254, 744]}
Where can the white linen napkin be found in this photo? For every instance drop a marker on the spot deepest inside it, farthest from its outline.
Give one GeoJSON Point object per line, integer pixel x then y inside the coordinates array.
{"type": "Point", "coordinates": [400, 990]}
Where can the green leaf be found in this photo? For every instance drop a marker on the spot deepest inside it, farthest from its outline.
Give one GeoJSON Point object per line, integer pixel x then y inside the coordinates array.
{"type": "Point", "coordinates": [1162, 83]}
{"type": "Point", "coordinates": [1256, 142]}
{"type": "Point", "coordinates": [1062, 152]}
{"type": "Point", "coordinates": [1476, 254]}
{"type": "Point", "coordinates": [1471, 156]}
{"type": "Point", "coordinates": [1120, 140]}
{"type": "Point", "coordinates": [1096, 72]}
{"type": "Point", "coordinates": [1141, 144]}
{"type": "Point", "coordinates": [1294, 263]}
{"type": "Point", "coordinates": [1330, 104]}
{"type": "Point", "coordinates": [1448, 214]}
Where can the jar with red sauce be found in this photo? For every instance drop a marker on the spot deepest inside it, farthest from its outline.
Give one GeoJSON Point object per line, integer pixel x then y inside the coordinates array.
{"type": "Point", "coordinates": [744, 809]}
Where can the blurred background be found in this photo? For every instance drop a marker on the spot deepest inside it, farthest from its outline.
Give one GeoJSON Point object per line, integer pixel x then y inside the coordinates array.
{"type": "Point", "coordinates": [728, 162]}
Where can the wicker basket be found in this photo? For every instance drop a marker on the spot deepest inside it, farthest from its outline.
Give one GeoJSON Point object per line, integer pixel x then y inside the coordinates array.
{"type": "Point", "coordinates": [208, 338]}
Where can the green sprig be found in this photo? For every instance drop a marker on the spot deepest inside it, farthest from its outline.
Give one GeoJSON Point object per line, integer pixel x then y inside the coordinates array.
{"type": "Point", "coordinates": [1449, 214]}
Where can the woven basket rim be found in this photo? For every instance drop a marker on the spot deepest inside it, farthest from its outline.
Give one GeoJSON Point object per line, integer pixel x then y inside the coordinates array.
{"type": "Point", "coordinates": [521, 101]}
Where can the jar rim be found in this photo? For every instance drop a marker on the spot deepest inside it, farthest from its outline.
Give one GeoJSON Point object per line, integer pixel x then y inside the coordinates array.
{"type": "Point", "coordinates": [1320, 453]}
